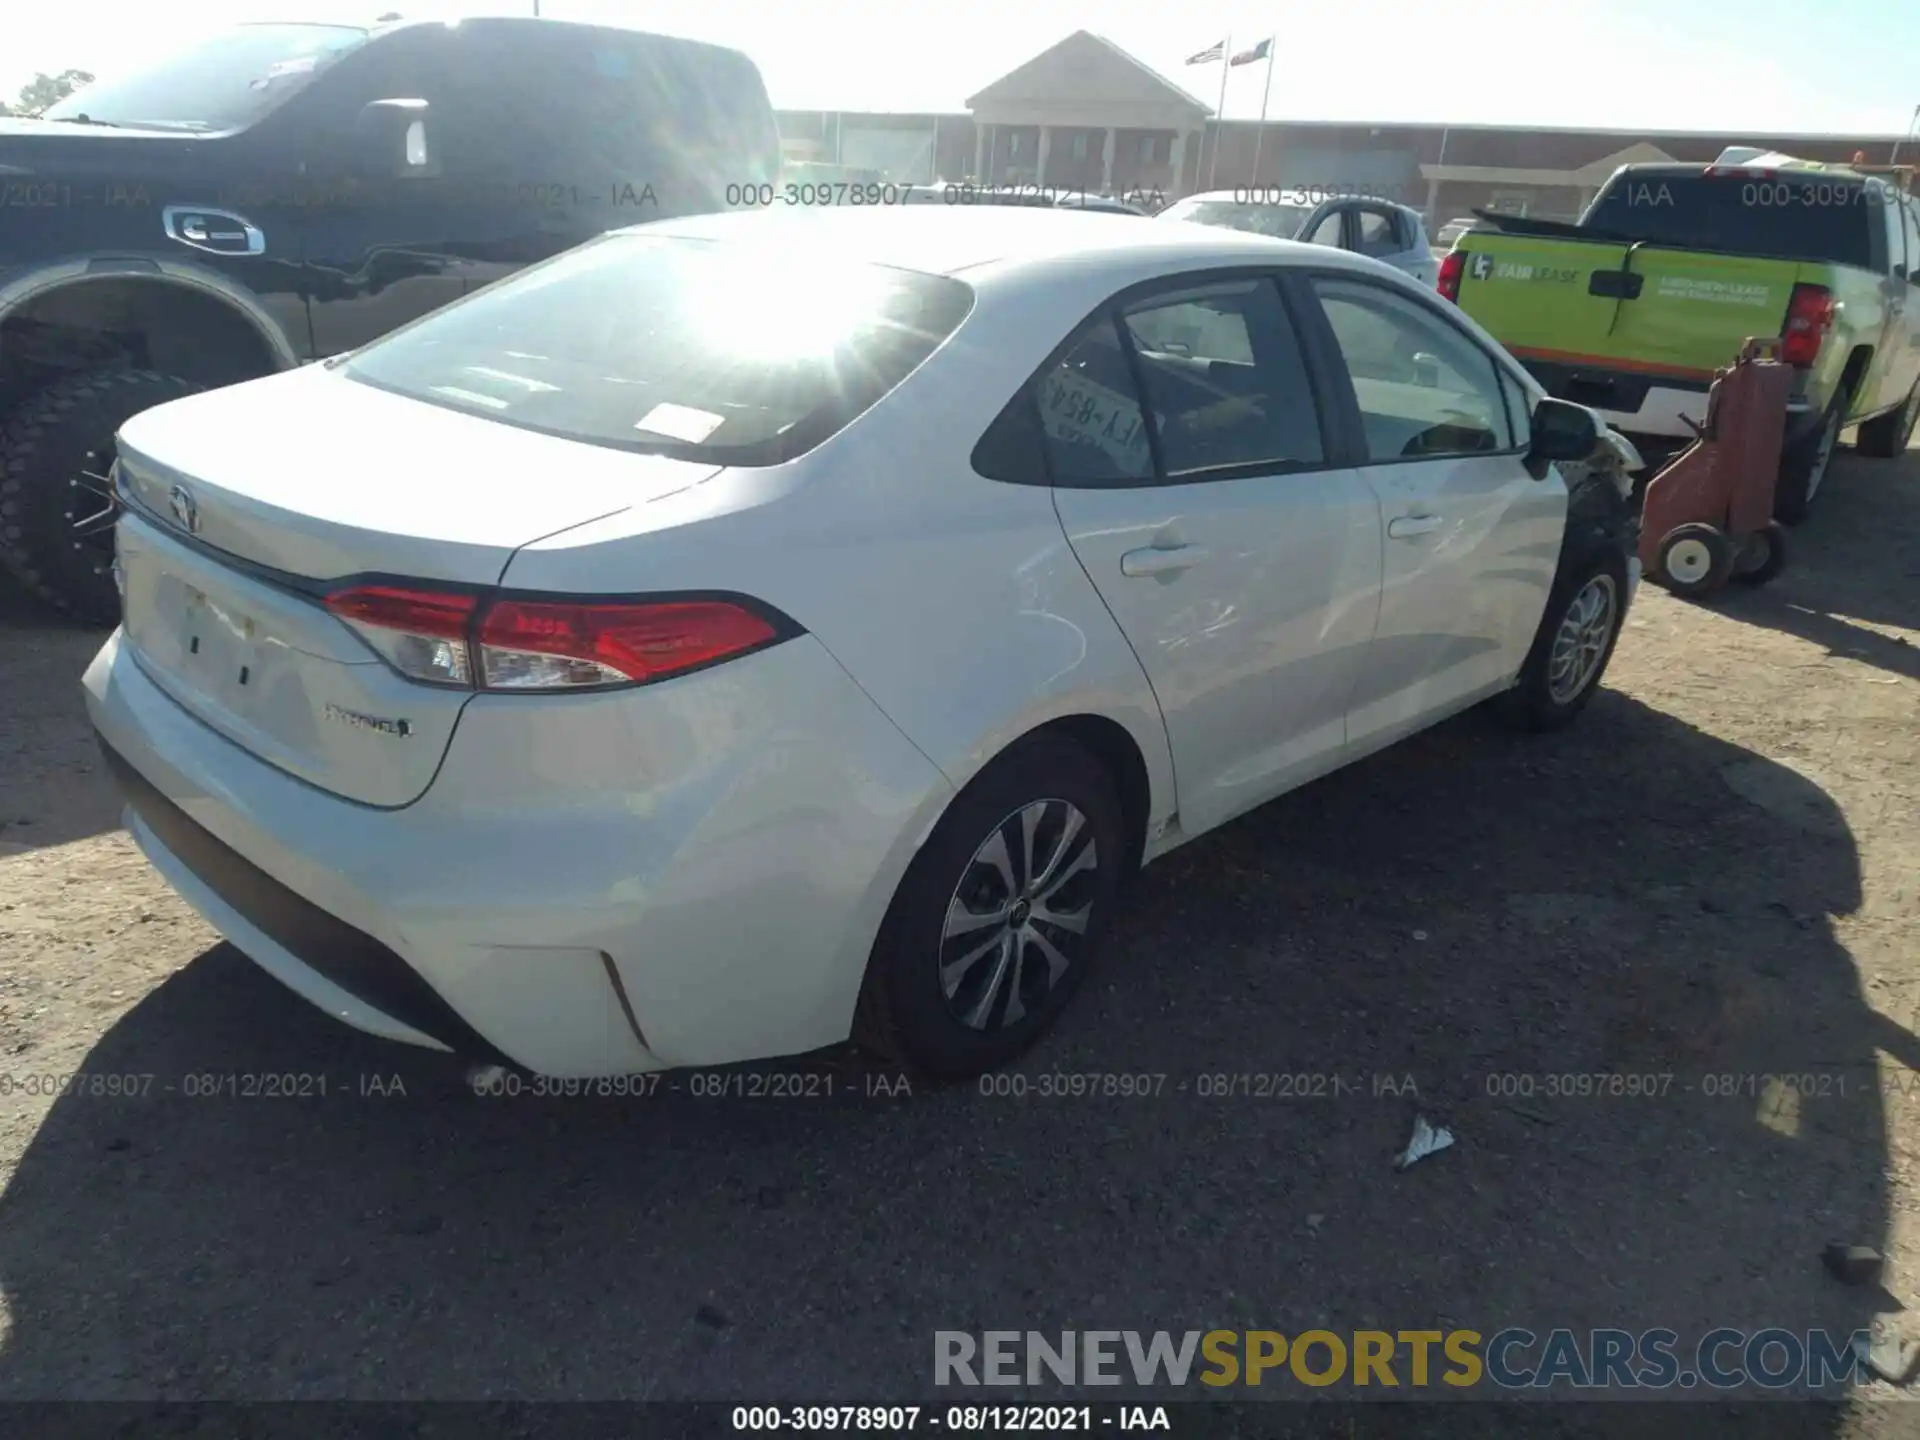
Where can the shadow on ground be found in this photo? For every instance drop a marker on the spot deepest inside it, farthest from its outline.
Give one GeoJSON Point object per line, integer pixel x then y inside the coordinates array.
{"type": "Point", "coordinates": [1468, 914]}
{"type": "Point", "coordinates": [52, 789]}
{"type": "Point", "coordinates": [1853, 566]}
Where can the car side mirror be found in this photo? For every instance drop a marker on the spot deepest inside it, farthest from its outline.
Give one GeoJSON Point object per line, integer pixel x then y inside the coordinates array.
{"type": "Point", "coordinates": [394, 142]}
{"type": "Point", "coordinates": [1562, 431]}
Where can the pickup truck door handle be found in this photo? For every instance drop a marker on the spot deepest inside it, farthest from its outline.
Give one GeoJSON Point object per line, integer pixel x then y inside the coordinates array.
{"type": "Point", "coordinates": [1407, 527]}
{"type": "Point", "coordinates": [220, 232]}
{"type": "Point", "coordinates": [1161, 560]}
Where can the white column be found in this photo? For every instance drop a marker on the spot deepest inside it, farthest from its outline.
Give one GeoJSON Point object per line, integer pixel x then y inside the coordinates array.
{"type": "Point", "coordinates": [979, 149]}
{"type": "Point", "coordinates": [1178, 161]}
{"type": "Point", "coordinates": [1040, 161]}
{"type": "Point", "coordinates": [1106, 161]}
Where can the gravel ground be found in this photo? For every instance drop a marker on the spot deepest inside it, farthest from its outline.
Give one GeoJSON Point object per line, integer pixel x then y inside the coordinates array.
{"type": "Point", "coordinates": [1716, 873]}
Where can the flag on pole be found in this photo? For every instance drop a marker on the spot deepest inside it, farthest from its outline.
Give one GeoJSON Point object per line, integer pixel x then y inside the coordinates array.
{"type": "Point", "coordinates": [1208, 55]}
{"type": "Point", "coordinates": [1258, 52]}
{"type": "Point", "coordinates": [1266, 94]}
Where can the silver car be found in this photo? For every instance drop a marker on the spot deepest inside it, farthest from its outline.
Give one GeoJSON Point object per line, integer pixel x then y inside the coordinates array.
{"type": "Point", "coordinates": [1381, 229]}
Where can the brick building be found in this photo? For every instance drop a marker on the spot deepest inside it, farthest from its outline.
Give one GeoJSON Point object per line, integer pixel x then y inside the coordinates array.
{"type": "Point", "coordinates": [1086, 115]}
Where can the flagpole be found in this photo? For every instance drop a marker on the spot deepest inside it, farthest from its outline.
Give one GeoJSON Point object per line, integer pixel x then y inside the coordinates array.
{"type": "Point", "coordinates": [1220, 115]}
{"type": "Point", "coordinates": [1261, 134]}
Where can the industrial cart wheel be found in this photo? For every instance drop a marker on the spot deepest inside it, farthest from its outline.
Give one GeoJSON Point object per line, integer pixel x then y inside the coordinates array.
{"type": "Point", "coordinates": [1695, 560]}
{"type": "Point", "coordinates": [1763, 556]}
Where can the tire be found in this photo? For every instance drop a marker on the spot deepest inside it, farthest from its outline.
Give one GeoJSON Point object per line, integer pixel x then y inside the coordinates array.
{"type": "Point", "coordinates": [1763, 556]}
{"type": "Point", "coordinates": [56, 526]}
{"type": "Point", "coordinates": [1804, 467]}
{"type": "Point", "coordinates": [905, 1013]}
{"type": "Point", "coordinates": [1695, 560]}
{"type": "Point", "coordinates": [1886, 437]}
{"type": "Point", "coordinates": [1548, 695]}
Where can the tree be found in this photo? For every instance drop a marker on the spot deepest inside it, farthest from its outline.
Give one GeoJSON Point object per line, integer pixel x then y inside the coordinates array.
{"type": "Point", "coordinates": [45, 90]}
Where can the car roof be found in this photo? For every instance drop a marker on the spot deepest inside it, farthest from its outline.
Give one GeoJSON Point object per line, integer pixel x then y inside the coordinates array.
{"type": "Point", "coordinates": [951, 239]}
{"type": "Point", "coordinates": [1270, 195]}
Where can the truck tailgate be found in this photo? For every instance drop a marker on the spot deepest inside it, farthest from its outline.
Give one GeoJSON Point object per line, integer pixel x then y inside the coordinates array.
{"type": "Point", "coordinates": [1617, 307]}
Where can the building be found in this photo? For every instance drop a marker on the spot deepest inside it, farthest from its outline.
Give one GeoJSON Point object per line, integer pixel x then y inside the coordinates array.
{"type": "Point", "coordinates": [1084, 114]}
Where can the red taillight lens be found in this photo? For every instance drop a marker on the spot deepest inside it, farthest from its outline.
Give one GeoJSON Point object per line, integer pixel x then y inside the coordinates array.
{"type": "Point", "coordinates": [422, 633]}
{"type": "Point", "coordinates": [1809, 318]}
{"type": "Point", "coordinates": [557, 644]}
{"type": "Point", "coordinates": [1452, 269]}
{"type": "Point", "coordinates": [446, 638]}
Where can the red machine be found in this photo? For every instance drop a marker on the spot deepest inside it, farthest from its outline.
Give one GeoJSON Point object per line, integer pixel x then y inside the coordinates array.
{"type": "Point", "coordinates": [1707, 517]}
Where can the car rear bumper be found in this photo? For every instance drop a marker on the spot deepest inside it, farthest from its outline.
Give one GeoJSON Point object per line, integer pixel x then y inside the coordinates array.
{"type": "Point", "coordinates": [577, 893]}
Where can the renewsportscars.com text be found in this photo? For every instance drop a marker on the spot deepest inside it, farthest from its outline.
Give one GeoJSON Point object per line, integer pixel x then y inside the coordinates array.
{"type": "Point", "coordinates": [1509, 1359]}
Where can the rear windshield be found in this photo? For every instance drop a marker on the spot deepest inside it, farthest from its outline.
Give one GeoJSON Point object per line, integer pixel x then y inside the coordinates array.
{"type": "Point", "coordinates": [736, 353]}
{"type": "Point", "coordinates": [219, 83]}
{"type": "Point", "coordinates": [1283, 222]}
{"type": "Point", "coordinates": [1826, 218]}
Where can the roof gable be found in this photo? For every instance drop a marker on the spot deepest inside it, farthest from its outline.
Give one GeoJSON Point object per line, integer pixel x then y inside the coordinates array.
{"type": "Point", "coordinates": [1093, 70]}
{"type": "Point", "coordinates": [1595, 172]}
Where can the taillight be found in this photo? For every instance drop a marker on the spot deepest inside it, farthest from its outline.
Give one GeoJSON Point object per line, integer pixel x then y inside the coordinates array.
{"type": "Point", "coordinates": [519, 644]}
{"type": "Point", "coordinates": [1809, 318]}
{"type": "Point", "coordinates": [1452, 269]}
{"type": "Point", "coordinates": [422, 633]}
{"type": "Point", "coordinates": [558, 644]}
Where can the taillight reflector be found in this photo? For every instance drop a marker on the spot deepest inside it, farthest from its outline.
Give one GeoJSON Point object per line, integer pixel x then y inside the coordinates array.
{"type": "Point", "coordinates": [1452, 269]}
{"type": "Point", "coordinates": [1809, 318]}
{"type": "Point", "coordinates": [448, 638]}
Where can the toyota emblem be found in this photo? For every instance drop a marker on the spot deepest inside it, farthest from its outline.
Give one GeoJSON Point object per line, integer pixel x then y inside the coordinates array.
{"type": "Point", "coordinates": [186, 509]}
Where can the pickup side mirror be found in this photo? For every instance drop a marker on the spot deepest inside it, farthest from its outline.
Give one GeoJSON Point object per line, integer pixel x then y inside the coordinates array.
{"type": "Point", "coordinates": [1562, 431]}
{"type": "Point", "coordinates": [393, 140]}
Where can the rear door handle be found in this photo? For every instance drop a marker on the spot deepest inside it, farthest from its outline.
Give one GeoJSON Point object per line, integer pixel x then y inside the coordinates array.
{"type": "Point", "coordinates": [1409, 526]}
{"type": "Point", "coordinates": [1161, 560]}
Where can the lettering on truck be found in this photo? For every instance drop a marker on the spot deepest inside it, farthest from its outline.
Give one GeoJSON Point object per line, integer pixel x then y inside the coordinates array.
{"type": "Point", "coordinates": [1713, 292]}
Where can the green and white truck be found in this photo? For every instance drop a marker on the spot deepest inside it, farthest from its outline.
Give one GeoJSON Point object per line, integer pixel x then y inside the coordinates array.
{"type": "Point", "coordinates": [1632, 308]}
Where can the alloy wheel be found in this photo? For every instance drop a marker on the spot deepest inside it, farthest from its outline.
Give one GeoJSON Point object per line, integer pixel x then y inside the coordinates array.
{"type": "Point", "coordinates": [1580, 644]}
{"type": "Point", "coordinates": [1018, 919]}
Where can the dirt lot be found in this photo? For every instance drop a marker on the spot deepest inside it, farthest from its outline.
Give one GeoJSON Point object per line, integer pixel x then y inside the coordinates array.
{"type": "Point", "coordinates": [1717, 874]}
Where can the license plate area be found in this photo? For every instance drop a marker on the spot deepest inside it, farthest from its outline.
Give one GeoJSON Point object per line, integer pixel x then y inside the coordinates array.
{"type": "Point", "coordinates": [221, 649]}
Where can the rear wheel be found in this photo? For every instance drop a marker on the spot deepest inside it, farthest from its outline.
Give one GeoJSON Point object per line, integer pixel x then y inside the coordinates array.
{"type": "Point", "coordinates": [1803, 467]}
{"type": "Point", "coordinates": [1887, 436]}
{"type": "Point", "coordinates": [57, 507]}
{"type": "Point", "coordinates": [998, 918]}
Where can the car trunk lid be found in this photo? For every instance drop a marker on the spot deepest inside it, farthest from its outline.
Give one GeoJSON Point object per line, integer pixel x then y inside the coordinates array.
{"type": "Point", "coordinates": [248, 505]}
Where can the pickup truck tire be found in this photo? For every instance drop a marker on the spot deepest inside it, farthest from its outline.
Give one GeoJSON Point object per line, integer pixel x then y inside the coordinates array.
{"type": "Point", "coordinates": [56, 515]}
{"type": "Point", "coordinates": [1886, 437]}
{"type": "Point", "coordinates": [1804, 466]}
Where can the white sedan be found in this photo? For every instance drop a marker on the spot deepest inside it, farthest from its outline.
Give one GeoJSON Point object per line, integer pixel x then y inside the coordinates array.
{"type": "Point", "coordinates": [745, 632]}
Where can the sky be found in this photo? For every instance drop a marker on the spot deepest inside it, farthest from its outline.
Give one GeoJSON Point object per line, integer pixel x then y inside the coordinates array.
{"type": "Point", "coordinates": [1784, 66]}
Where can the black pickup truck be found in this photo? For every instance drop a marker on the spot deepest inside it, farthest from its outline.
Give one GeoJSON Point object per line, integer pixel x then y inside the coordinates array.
{"type": "Point", "coordinates": [281, 193]}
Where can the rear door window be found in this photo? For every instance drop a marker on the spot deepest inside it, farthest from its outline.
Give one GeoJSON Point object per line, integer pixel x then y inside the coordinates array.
{"type": "Point", "coordinates": [741, 354]}
{"type": "Point", "coordinates": [1378, 235]}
